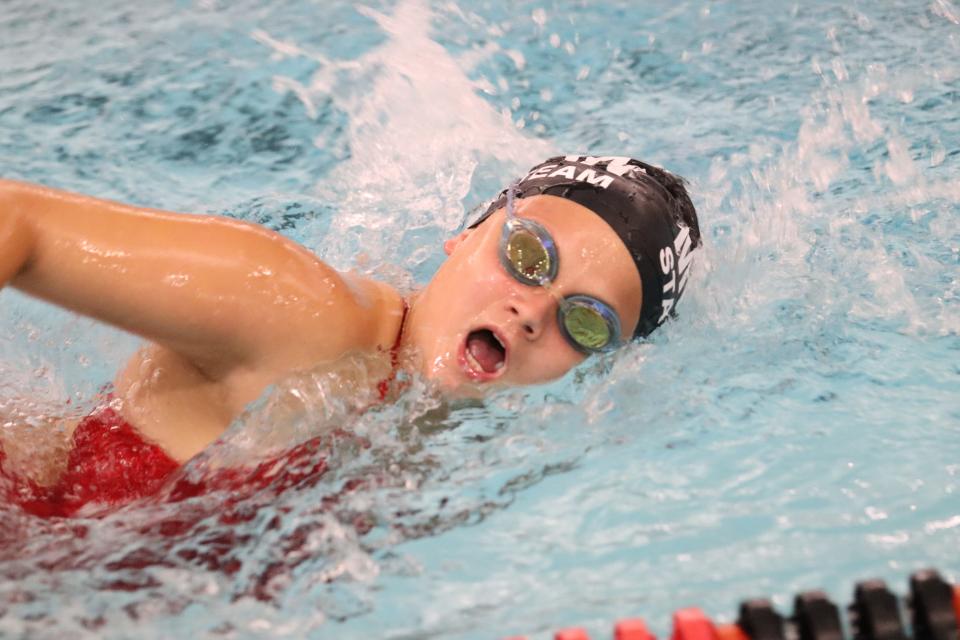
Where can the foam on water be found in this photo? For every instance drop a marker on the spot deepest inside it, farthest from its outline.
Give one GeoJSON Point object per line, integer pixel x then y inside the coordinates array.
{"type": "Point", "coordinates": [794, 428]}
{"type": "Point", "coordinates": [399, 95]}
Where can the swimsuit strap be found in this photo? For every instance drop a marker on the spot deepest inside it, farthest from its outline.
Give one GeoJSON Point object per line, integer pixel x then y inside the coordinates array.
{"type": "Point", "coordinates": [384, 385]}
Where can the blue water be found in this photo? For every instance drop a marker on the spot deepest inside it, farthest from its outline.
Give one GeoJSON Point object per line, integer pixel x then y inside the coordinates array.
{"type": "Point", "coordinates": [796, 428]}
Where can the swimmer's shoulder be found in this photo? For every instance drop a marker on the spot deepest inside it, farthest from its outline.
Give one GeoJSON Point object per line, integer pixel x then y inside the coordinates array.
{"type": "Point", "coordinates": [340, 313]}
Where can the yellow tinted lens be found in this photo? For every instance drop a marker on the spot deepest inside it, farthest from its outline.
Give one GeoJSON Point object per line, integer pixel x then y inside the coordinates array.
{"type": "Point", "coordinates": [587, 327]}
{"type": "Point", "coordinates": [527, 255]}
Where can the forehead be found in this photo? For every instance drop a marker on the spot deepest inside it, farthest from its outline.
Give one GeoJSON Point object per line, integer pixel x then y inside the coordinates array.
{"type": "Point", "coordinates": [593, 259]}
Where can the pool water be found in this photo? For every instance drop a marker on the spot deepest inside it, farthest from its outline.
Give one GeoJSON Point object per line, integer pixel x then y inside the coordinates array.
{"type": "Point", "coordinates": [797, 427]}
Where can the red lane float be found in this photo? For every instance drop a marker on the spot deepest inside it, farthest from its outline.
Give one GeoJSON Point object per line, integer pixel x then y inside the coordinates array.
{"type": "Point", "coordinates": [692, 624]}
{"type": "Point", "coordinates": [956, 602]}
{"type": "Point", "coordinates": [632, 629]}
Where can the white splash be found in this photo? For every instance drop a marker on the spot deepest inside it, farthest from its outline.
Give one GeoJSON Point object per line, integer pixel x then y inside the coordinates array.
{"type": "Point", "coordinates": [418, 131]}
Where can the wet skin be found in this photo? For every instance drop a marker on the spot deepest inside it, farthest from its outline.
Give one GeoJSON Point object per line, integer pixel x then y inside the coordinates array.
{"type": "Point", "coordinates": [229, 308]}
{"type": "Point", "coordinates": [472, 290]}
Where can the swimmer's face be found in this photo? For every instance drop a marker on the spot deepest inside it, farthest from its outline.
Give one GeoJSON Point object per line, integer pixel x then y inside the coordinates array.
{"type": "Point", "coordinates": [477, 327]}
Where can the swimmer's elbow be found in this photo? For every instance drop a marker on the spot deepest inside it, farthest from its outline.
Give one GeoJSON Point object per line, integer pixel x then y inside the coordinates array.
{"type": "Point", "coordinates": [16, 240]}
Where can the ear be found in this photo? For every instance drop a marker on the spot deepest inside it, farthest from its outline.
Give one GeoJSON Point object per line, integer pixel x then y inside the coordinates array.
{"type": "Point", "coordinates": [451, 244]}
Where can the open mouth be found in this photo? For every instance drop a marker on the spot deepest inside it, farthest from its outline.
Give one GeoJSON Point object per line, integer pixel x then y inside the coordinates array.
{"type": "Point", "coordinates": [485, 353]}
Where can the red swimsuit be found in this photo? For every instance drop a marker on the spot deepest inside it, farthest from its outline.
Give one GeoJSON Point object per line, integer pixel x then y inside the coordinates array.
{"type": "Point", "coordinates": [111, 464]}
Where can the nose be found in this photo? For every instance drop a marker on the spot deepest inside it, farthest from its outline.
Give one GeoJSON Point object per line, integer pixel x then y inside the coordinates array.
{"type": "Point", "coordinates": [534, 311]}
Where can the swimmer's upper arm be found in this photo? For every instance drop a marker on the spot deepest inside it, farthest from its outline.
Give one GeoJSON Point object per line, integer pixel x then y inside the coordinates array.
{"type": "Point", "coordinates": [223, 293]}
{"type": "Point", "coordinates": [15, 239]}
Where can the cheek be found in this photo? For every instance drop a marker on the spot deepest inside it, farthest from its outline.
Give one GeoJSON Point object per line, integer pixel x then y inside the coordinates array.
{"type": "Point", "coordinates": [463, 291]}
{"type": "Point", "coordinates": [552, 360]}
{"type": "Point", "coordinates": [476, 281]}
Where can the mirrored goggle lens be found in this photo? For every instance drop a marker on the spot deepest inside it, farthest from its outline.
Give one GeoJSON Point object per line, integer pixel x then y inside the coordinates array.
{"type": "Point", "coordinates": [587, 327]}
{"type": "Point", "coordinates": [527, 256]}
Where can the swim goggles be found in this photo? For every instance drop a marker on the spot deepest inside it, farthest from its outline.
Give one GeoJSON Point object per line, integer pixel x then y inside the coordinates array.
{"type": "Point", "coordinates": [529, 254]}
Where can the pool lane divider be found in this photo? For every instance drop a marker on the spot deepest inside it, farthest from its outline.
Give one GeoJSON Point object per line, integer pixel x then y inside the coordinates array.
{"type": "Point", "coordinates": [932, 606]}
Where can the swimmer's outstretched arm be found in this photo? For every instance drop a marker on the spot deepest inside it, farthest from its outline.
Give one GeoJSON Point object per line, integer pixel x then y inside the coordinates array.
{"type": "Point", "coordinates": [224, 294]}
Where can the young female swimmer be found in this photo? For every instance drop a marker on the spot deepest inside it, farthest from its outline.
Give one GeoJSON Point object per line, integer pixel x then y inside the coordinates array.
{"type": "Point", "coordinates": [577, 257]}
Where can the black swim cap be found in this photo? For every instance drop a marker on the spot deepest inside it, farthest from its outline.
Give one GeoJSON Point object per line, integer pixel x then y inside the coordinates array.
{"type": "Point", "coordinates": [646, 206]}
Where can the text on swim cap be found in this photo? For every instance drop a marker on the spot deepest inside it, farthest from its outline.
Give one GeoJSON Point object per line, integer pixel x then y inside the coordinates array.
{"type": "Point", "coordinates": [672, 289]}
{"type": "Point", "coordinates": [617, 165]}
{"type": "Point", "coordinates": [569, 172]}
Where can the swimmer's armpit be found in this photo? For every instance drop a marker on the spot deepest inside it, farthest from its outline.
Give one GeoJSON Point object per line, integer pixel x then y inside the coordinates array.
{"type": "Point", "coordinates": [16, 240]}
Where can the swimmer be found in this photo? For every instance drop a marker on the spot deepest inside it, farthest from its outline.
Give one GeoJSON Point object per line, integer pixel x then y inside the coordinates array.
{"type": "Point", "coordinates": [579, 256]}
